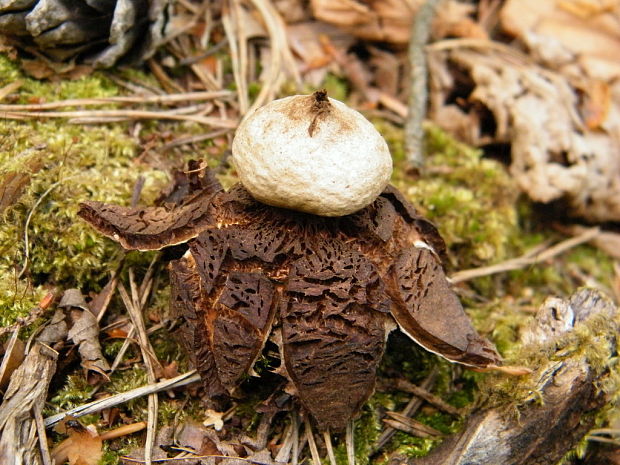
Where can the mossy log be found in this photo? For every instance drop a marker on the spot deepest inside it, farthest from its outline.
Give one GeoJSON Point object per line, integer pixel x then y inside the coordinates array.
{"type": "Point", "coordinates": [575, 340]}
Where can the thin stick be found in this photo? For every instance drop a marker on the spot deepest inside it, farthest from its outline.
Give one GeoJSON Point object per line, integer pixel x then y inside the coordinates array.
{"type": "Point", "coordinates": [129, 114]}
{"type": "Point", "coordinates": [278, 43]}
{"type": "Point", "coordinates": [10, 88]}
{"type": "Point", "coordinates": [123, 431]}
{"type": "Point", "coordinates": [404, 385]}
{"type": "Point", "coordinates": [414, 404]}
{"type": "Point", "coordinates": [295, 451]}
{"type": "Point", "coordinates": [194, 457]}
{"type": "Point", "coordinates": [418, 93]}
{"type": "Point", "coordinates": [117, 399]}
{"type": "Point", "coordinates": [154, 99]}
{"type": "Point", "coordinates": [193, 139]}
{"type": "Point", "coordinates": [133, 307]}
{"type": "Point", "coordinates": [603, 439]}
{"type": "Point", "coordinates": [350, 442]}
{"type": "Point", "coordinates": [147, 281]}
{"type": "Point", "coordinates": [526, 259]}
{"type": "Point", "coordinates": [612, 431]}
{"type": "Point", "coordinates": [230, 21]}
{"type": "Point", "coordinates": [314, 451]}
{"type": "Point", "coordinates": [45, 452]}
{"type": "Point", "coordinates": [330, 449]}
{"type": "Point", "coordinates": [284, 453]}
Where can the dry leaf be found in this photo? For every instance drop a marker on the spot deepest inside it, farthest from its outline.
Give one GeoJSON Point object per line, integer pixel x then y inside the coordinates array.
{"type": "Point", "coordinates": [84, 332]}
{"type": "Point", "coordinates": [100, 301]}
{"type": "Point", "coordinates": [82, 447]}
{"type": "Point", "coordinates": [390, 20]}
{"type": "Point", "coordinates": [14, 183]}
{"type": "Point", "coordinates": [214, 419]}
{"type": "Point", "coordinates": [562, 33]}
{"type": "Point", "coordinates": [538, 113]}
{"type": "Point", "coordinates": [73, 298]}
{"type": "Point", "coordinates": [56, 329]}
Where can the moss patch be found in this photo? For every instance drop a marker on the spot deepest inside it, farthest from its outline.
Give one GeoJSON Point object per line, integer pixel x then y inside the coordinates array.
{"type": "Point", "coordinates": [59, 165]}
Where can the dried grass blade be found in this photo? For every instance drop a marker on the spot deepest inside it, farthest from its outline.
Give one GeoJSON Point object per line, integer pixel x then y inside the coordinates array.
{"type": "Point", "coordinates": [527, 259]}
{"type": "Point", "coordinates": [117, 399]}
{"type": "Point", "coordinates": [314, 451]}
{"type": "Point", "coordinates": [404, 385]}
{"type": "Point", "coordinates": [135, 312]}
{"type": "Point", "coordinates": [129, 114]}
{"type": "Point", "coordinates": [150, 99]}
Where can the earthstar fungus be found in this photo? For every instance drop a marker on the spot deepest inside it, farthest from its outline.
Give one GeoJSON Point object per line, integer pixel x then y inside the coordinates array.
{"type": "Point", "coordinates": [327, 288]}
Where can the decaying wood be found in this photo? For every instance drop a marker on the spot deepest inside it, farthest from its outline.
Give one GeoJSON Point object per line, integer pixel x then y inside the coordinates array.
{"type": "Point", "coordinates": [324, 287]}
{"type": "Point", "coordinates": [568, 394]}
{"type": "Point", "coordinates": [21, 441]}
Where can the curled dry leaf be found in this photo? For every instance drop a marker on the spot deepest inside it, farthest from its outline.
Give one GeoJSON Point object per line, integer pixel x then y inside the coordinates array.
{"type": "Point", "coordinates": [84, 332]}
{"type": "Point", "coordinates": [55, 330]}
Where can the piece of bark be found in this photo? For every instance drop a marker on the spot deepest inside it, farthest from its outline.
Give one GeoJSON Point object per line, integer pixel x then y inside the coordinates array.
{"type": "Point", "coordinates": [565, 392]}
{"type": "Point", "coordinates": [12, 359]}
{"type": "Point", "coordinates": [20, 440]}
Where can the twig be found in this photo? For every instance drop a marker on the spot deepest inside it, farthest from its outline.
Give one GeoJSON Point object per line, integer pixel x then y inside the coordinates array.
{"type": "Point", "coordinates": [314, 451]}
{"type": "Point", "coordinates": [193, 139]}
{"type": "Point", "coordinates": [129, 114]}
{"type": "Point", "coordinates": [238, 47]}
{"type": "Point", "coordinates": [414, 404]}
{"type": "Point", "coordinates": [330, 448]}
{"type": "Point", "coordinates": [45, 452]}
{"type": "Point", "coordinates": [10, 88]}
{"type": "Point", "coordinates": [194, 457]}
{"type": "Point", "coordinates": [288, 441]}
{"type": "Point", "coordinates": [296, 448]}
{"type": "Point", "coordinates": [117, 399]}
{"type": "Point", "coordinates": [168, 84]}
{"type": "Point", "coordinates": [349, 439]}
{"type": "Point", "coordinates": [404, 385]}
{"type": "Point", "coordinates": [525, 260]}
{"type": "Point", "coordinates": [153, 99]}
{"type": "Point", "coordinates": [418, 93]}
{"type": "Point", "coordinates": [411, 426]}
{"type": "Point", "coordinates": [278, 45]}
{"type": "Point", "coordinates": [134, 308]}
{"type": "Point", "coordinates": [603, 439]}
{"type": "Point", "coordinates": [122, 431]}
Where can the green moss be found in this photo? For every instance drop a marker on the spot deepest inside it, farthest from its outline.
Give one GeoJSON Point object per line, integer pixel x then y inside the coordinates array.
{"type": "Point", "coordinates": [471, 199]}
{"type": "Point", "coordinates": [66, 164]}
{"type": "Point", "coordinates": [589, 341]}
{"type": "Point", "coordinates": [75, 391]}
